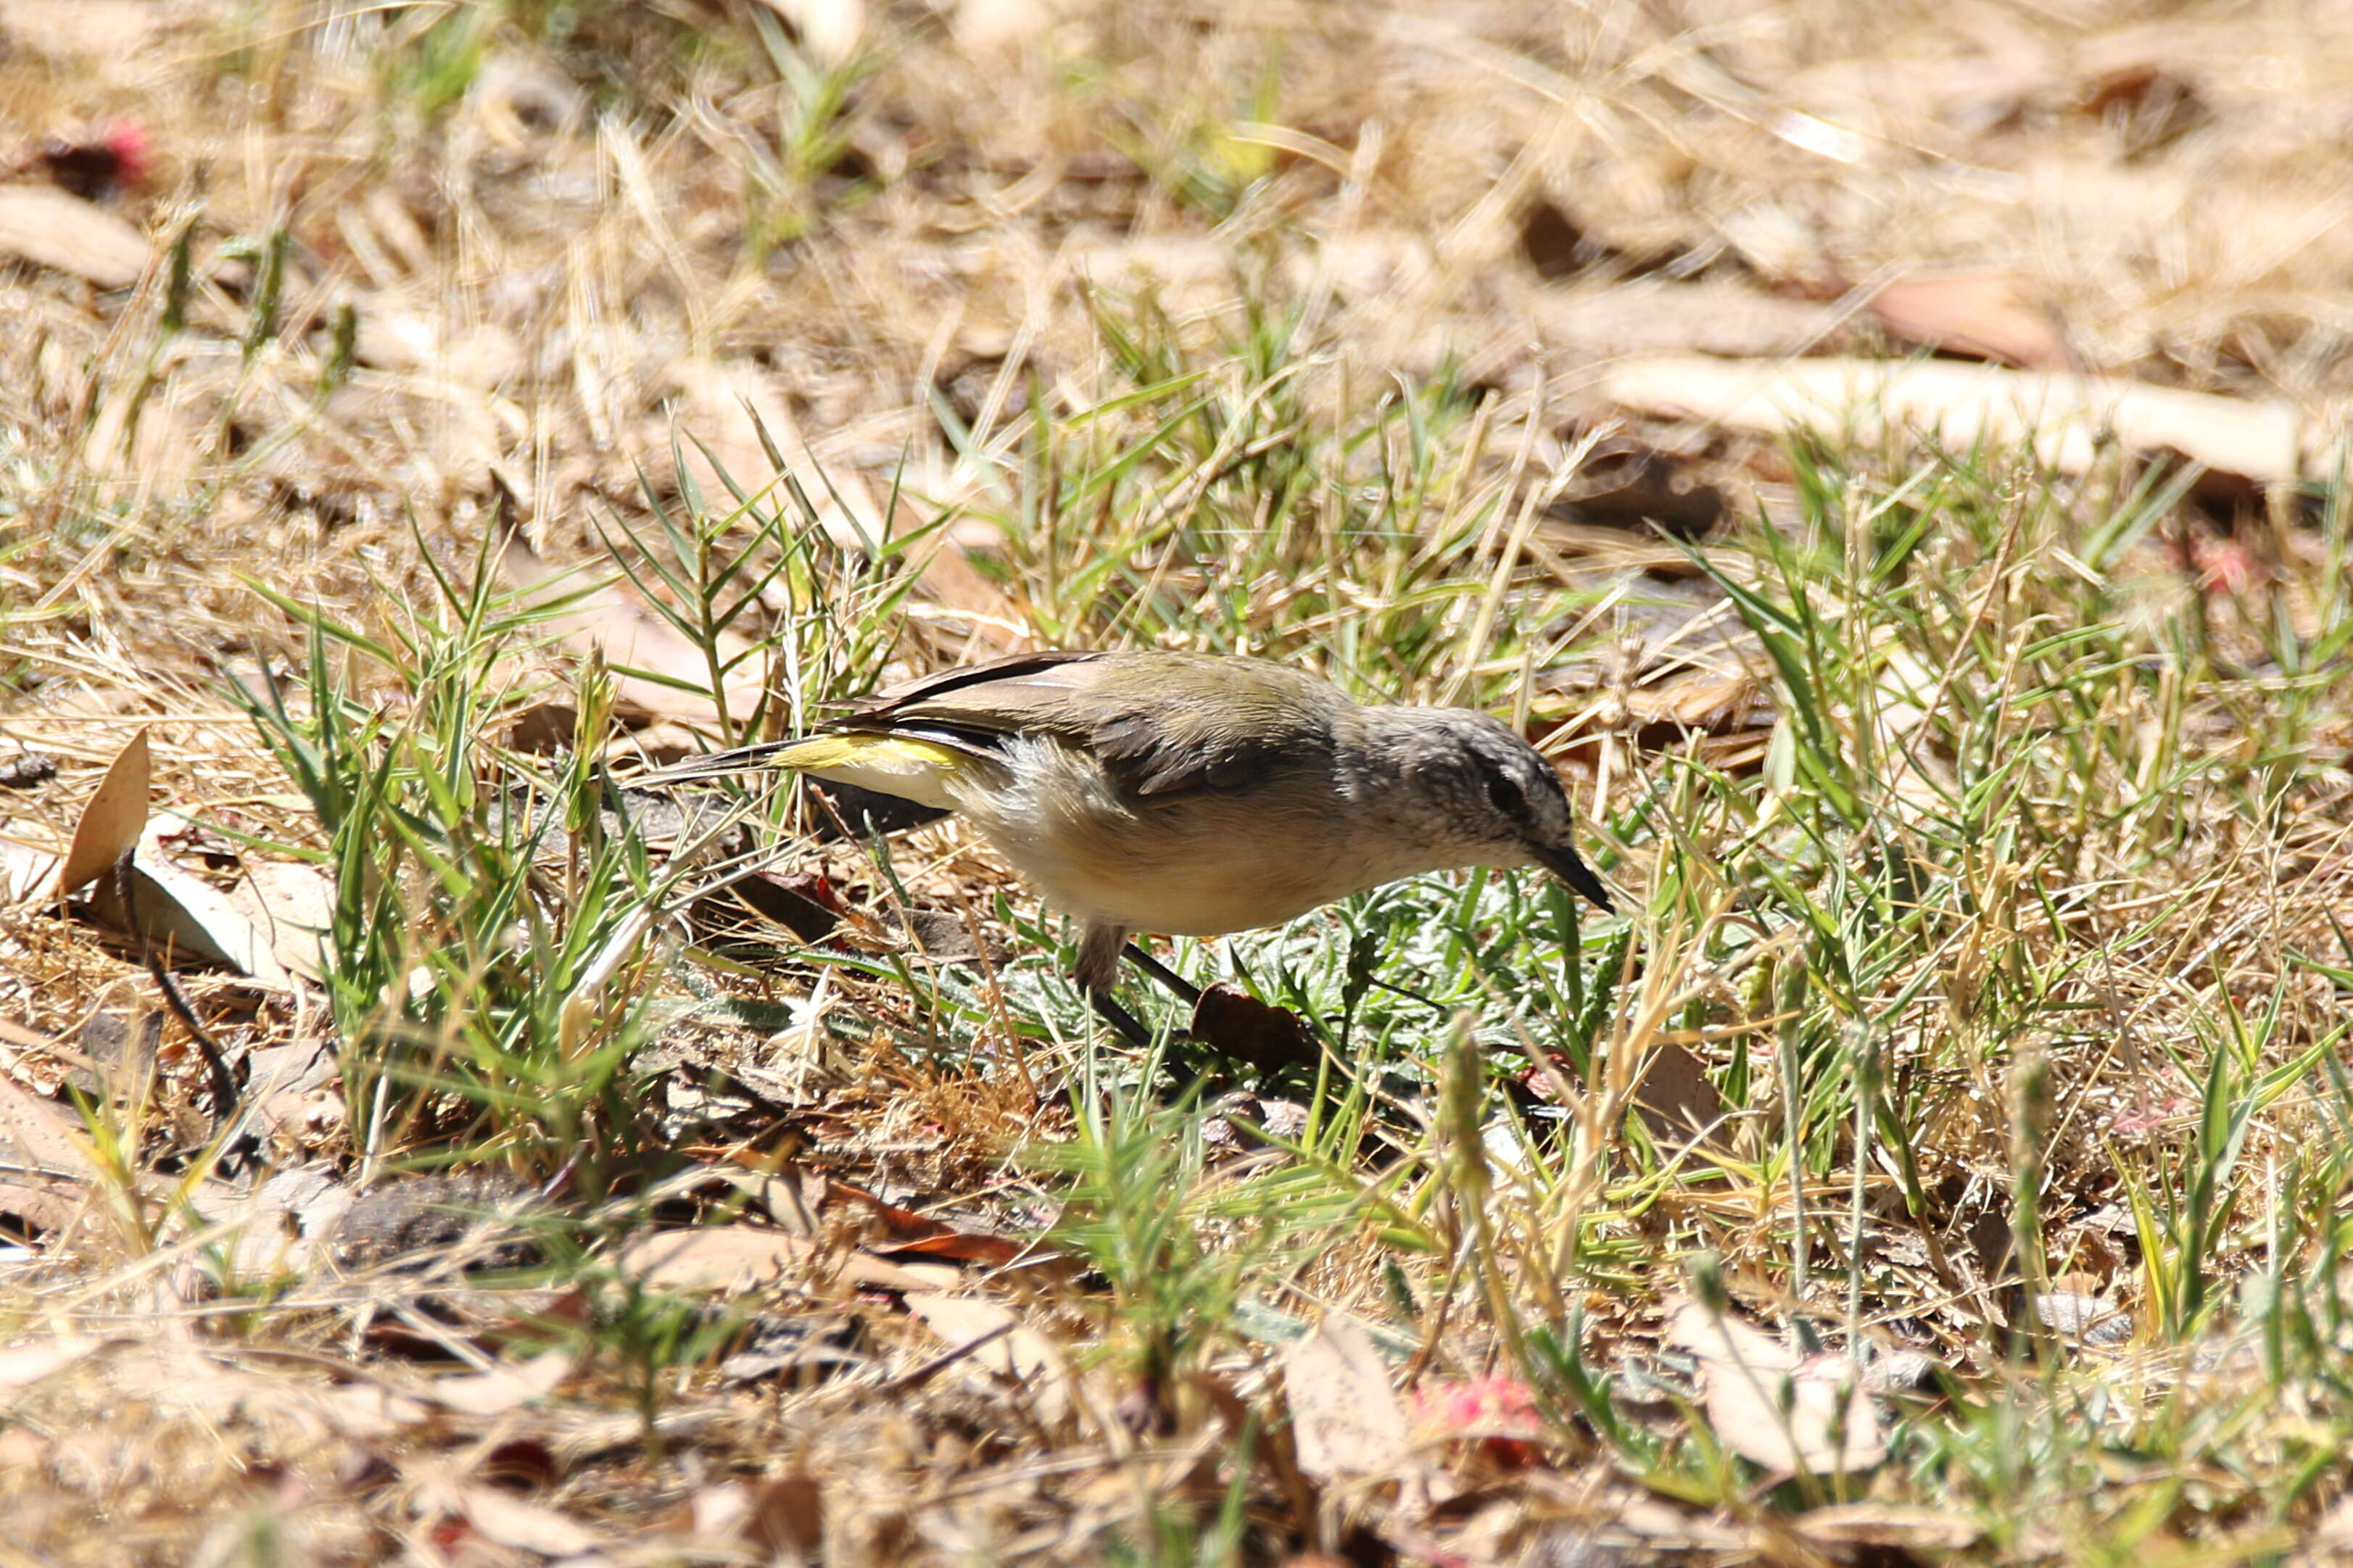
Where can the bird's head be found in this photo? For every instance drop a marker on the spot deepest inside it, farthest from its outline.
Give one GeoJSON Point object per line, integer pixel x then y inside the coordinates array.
{"type": "Point", "coordinates": [1489, 795]}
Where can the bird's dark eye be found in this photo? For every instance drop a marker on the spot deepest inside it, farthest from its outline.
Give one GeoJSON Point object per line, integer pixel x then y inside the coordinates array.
{"type": "Point", "coordinates": [1505, 796]}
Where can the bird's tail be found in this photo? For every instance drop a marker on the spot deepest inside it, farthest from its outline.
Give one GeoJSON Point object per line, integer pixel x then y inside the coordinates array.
{"type": "Point", "coordinates": [718, 764]}
{"type": "Point", "coordinates": [888, 764]}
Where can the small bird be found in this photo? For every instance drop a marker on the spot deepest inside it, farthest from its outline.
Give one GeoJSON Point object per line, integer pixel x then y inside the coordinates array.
{"type": "Point", "coordinates": [1191, 794]}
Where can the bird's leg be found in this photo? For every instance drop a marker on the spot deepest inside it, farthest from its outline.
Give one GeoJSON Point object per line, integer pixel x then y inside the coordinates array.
{"type": "Point", "coordinates": [1126, 1025]}
{"type": "Point", "coordinates": [1177, 985]}
{"type": "Point", "coordinates": [1098, 969]}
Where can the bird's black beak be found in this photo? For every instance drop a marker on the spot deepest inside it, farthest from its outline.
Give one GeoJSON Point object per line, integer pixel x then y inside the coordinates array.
{"type": "Point", "coordinates": [1563, 863]}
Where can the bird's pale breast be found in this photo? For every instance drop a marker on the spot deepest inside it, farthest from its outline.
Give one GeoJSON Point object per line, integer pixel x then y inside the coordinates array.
{"type": "Point", "coordinates": [1197, 864]}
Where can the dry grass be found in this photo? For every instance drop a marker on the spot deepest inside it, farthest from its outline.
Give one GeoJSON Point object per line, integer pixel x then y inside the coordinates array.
{"type": "Point", "coordinates": [1981, 825]}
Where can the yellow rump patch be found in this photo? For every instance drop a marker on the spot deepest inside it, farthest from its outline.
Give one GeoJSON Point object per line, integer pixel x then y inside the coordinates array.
{"type": "Point", "coordinates": [911, 769]}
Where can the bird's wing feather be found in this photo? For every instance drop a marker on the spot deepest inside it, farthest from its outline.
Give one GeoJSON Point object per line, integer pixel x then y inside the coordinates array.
{"type": "Point", "coordinates": [945, 683]}
{"type": "Point", "coordinates": [1160, 722]}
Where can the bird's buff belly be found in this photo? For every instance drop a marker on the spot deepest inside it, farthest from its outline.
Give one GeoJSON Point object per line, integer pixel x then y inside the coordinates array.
{"type": "Point", "coordinates": [1195, 868]}
{"type": "Point", "coordinates": [1206, 897]}
{"type": "Point", "coordinates": [1204, 894]}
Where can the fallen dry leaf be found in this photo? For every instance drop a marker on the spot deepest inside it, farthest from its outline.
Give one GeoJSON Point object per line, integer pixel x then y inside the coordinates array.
{"type": "Point", "coordinates": [1020, 1353]}
{"type": "Point", "coordinates": [730, 1257]}
{"type": "Point", "coordinates": [957, 1246]}
{"type": "Point", "coordinates": [788, 1511]}
{"type": "Point", "coordinates": [41, 1134]}
{"type": "Point", "coordinates": [801, 1200]}
{"type": "Point", "coordinates": [1675, 1097]}
{"type": "Point", "coordinates": [992, 27]}
{"type": "Point", "coordinates": [1988, 315]}
{"type": "Point", "coordinates": [2084, 1318]}
{"type": "Point", "coordinates": [482, 357]}
{"type": "Point", "coordinates": [111, 822]}
{"type": "Point", "coordinates": [184, 914]}
{"type": "Point", "coordinates": [44, 1203]}
{"type": "Point", "coordinates": [1772, 1406]}
{"type": "Point", "coordinates": [23, 1366]}
{"type": "Point", "coordinates": [1893, 1527]}
{"type": "Point", "coordinates": [1346, 1418]}
{"type": "Point", "coordinates": [525, 1526]}
{"type": "Point", "coordinates": [367, 1410]}
{"type": "Point", "coordinates": [502, 1388]}
{"type": "Point", "coordinates": [1652, 316]}
{"type": "Point", "coordinates": [82, 28]}
{"type": "Point", "coordinates": [277, 1228]}
{"type": "Point", "coordinates": [2069, 418]}
{"type": "Point", "coordinates": [1240, 1026]}
{"type": "Point", "coordinates": [828, 29]}
{"type": "Point", "coordinates": [717, 1512]}
{"type": "Point", "coordinates": [54, 229]}
{"type": "Point", "coordinates": [291, 904]}
{"type": "Point", "coordinates": [1697, 699]}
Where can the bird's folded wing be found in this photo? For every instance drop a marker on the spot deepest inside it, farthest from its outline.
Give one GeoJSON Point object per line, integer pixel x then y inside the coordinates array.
{"type": "Point", "coordinates": [1160, 723]}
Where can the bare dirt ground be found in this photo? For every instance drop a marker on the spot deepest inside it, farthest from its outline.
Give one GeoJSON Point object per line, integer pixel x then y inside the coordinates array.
{"type": "Point", "coordinates": [559, 1228]}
